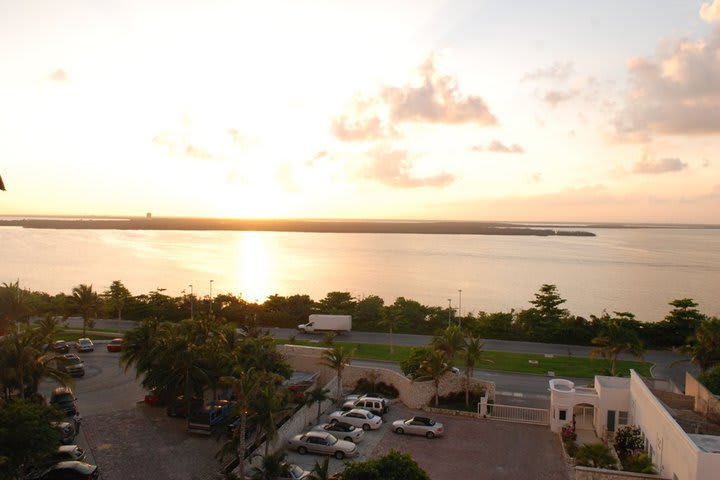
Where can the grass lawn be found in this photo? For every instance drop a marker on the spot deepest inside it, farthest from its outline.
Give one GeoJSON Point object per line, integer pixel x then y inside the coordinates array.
{"type": "Point", "coordinates": [563, 366]}
{"type": "Point", "coordinates": [92, 334]}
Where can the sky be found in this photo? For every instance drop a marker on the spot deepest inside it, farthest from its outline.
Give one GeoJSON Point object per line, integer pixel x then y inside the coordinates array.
{"type": "Point", "coordinates": [423, 110]}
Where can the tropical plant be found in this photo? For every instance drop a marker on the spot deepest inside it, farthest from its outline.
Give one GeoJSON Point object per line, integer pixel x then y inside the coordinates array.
{"type": "Point", "coordinates": [317, 395]}
{"type": "Point", "coordinates": [639, 462]}
{"type": "Point", "coordinates": [433, 368]}
{"type": "Point", "coordinates": [711, 379]}
{"type": "Point", "coordinates": [13, 305]}
{"type": "Point", "coordinates": [270, 404]}
{"type": "Point", "coordinates": [596, 455]}
{"type": "Point", "coordinates": [337, 358]}
{"type": "Point", "coordinates": [473, 355]}
{"type": "Point", "coordinates": [244, 384]}
{"type": "Point", "coordinates": [321, 471]}
{"type": "Point", "coordinates": [703, 348]}
{"type": "Point", "coordinates": [117, 296]}
{"type": "Point", "coordinates": [393, 465]}
{"type": "Point", "coordinates": [273, 466]}
{"type": "Point", "coordinates": [450, 341]}
{"type": "Point", "coordinates": [616, 338]}
{"type": "Point", "coordinates": [86, 302]}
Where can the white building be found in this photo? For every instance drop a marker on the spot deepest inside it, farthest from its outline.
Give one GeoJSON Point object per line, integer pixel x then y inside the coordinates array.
{"type": "Point", "coordinates": [682, 431]}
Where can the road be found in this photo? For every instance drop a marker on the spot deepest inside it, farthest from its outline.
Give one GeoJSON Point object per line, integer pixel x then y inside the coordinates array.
{"type": "Point", "coordinates": [513, 388]}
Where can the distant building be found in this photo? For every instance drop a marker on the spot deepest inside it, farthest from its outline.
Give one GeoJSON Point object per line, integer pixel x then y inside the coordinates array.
{"type": "Point", "coordinates": [148, 216]}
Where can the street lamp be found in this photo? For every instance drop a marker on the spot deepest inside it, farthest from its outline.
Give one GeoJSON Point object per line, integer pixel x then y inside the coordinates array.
{"type": "Point", "coordinates": [449, 311]}
{"type": "Point", "coordinates": [211, 299]}
{"type": "Point", "coordinates": [192, 303]}
{"type": "Point", "coordinates": [460, 306]}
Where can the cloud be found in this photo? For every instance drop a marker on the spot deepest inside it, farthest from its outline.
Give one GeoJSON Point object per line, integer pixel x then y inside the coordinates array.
{"type": "Point", "coordinates": [710, 12]}
{"type": "Point", "coordinates": [536, 177]}
{"type": "Point", "coordinates": [394, 168]}
{"type": "Point", "coordinates": [556, 71]}
{"type": "Point", "coordinates": [648, 165]}
{"type": "Point", "coordinates": [705, 163]}
{"type": "Point", "coordinates": [437, 99]}
{"type": "Point", "coordinates": [497, 146]}
{"type": "Point", "coordinates": [236, 137]}
{"type": "Point", "coordinates": [554, 97]}
{"type": "Point", "coordinates": [675, 93]}
{"type": "Point", "coordinates": [59, 75]}
{"type": "Point", "coordinates": [178, 144]}
{"type": "Point", "coordinates": [318, 156]}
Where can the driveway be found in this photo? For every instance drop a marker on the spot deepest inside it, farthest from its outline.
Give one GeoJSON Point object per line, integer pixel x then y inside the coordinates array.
{"type": "Point", "coordinates": [472, 448]}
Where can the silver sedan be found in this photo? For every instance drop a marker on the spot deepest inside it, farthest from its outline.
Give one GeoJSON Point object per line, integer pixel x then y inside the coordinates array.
{"type": "Point", "coordinates": [419, 426]}
{"type": "Point", "coordinates": [323, 443]}
{"type": "Point", "coordinates": [341, 430]}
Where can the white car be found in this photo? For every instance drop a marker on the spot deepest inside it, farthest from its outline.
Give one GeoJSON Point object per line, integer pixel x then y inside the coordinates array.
{"type": "Point", "coordinates": [358, 418]}
{"type": "Point", "coordinates": [419, 426]}
{"type": "Point", "coordinates": [341, 430]}
{"type": "Point", "coordinates": [84, 345]}
{"type": "Point", "coordinates": [322, 442]}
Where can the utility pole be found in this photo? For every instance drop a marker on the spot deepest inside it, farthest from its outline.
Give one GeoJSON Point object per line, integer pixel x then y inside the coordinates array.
{"type": "Point", "coordinates": [449, 311]}
{"type": "Point", "coordinates": [211, 298]}
{"type": "Point", "coordinates": [192, 303]}
{"type": "Point", "coordinates": [460, 307]}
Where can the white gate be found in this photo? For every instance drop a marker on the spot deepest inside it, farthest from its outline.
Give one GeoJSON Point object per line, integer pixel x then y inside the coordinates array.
{"type": "Point", "coordinates": [512, 413]}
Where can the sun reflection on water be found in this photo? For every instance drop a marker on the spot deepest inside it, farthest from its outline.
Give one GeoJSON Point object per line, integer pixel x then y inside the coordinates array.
{"type": "Point", "coordinates": [252, 270]}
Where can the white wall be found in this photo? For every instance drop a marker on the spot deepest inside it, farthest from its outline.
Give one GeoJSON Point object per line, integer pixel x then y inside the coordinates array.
{"type": "Point", "coordinates": [612, 397]}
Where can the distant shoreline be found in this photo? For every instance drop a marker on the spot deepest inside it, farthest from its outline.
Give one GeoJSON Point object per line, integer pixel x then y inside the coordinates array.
{"type": "Point", "coordinates": [309, 226]}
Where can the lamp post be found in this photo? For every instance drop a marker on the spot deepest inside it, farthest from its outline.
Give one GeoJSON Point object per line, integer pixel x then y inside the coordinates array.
{"type": "Point", "coordinates": [192, 303]}
{"type": "Point", "coordinates": [460, 306]}
{"type": "Point", "coordinates": [449, 311]}
{"type": "Point", "coordinates": [211, 298]}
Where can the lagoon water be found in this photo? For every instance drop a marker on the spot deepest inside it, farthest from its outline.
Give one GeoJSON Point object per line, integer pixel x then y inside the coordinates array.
{"type": "Point", "coordinates": [636, 270]}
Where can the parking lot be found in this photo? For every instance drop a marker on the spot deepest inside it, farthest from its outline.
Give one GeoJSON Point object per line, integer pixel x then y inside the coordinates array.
{"type": "Point", "coordinates": [129, 440]}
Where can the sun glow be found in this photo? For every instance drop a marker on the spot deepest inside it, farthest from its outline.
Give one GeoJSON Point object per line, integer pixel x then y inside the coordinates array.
{"type": "Point", "coordinates": [252, 270]}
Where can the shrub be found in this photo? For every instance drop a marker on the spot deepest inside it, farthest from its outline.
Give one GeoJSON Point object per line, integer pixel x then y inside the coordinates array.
{"type": "Point", "coordinates": [571, 447]}
{"type": "Point", "coordinates": [595, 455]}
{"type": "Point", "coordinates": [454, 399]}
{"type": "Point", "coordinates": [628, 440]}
{"type": "Point", "coordinates": [711, 379]}
{"type": "Point", "coordinates": [640, 463]}
{"type": "Point", "coordinates": [568, 433]}
{"type": "Point", "coordinates": [365, 385]}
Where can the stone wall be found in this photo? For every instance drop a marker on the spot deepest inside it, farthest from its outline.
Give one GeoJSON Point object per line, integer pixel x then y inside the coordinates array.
{"type": "Point", "coordinates": [412, 394]}
{"type": "Point", "coordinates": [586, 473]}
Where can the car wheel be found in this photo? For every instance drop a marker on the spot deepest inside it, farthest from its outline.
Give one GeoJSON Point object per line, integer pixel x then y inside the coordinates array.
{"type": "Point", "coordinates": [339, 455]}
{"type": "Point", "coordinates": [399, 430]}
{"type": "Point", "coordinates": [366, 427]}
{"type": "Point", "coordinates": [302, 450]}
{"type": "Point", "coordinates": [430, 435]}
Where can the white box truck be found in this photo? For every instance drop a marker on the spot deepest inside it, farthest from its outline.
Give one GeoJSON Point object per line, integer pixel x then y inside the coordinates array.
{"type": "Point", "coordinates": [327, 323]}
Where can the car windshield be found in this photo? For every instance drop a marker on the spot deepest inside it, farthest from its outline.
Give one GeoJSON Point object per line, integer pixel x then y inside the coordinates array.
{"type": "Point", "coordinates": [85, 341]}
{"type": "Point", "coordinates": [73, 360]}
{"type": "Point", "coordinates": [370, 415]}
{"type": "Point", "coordinates": [331, 440]}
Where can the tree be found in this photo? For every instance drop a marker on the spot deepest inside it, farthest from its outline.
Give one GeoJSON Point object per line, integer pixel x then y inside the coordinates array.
{"type": "Point", "coordinates": [433, 368]}
{"type": "Point", "coordinates": [410, 366]}
{"type": "Point", "coordinates": [451, 341]}
{"type": "Point", "coordinates": [337, 358]}
{"type": "Point", "coordinates": [273, 466]}
{"type": "Point", "coordinates": [615, 338]}
{"type": "Point", "coordinates": [244, 384]}
{"type": "Point", "coordinates": [473, 355]}
{"type": "Point", "coordinates": [321, 471]}
{"type": "Point", "coordinates": [27, 437]}
{"type": "Point", "coordinates": [86, 302]}
{"type": "Point", "coordinates": [368, 312]}
{"type": "Point", "coordinates": [711, 379]}
{"type": "Point", "coordinates": [117, 295]}
{"type": "Point", "coordinates": [391, 318]}
{"type": "Point", "coordinates": [393, 465]}
{"type": "Point", "coordinates": [337, 303]}
{"type": "Point", "coordinates": [317, 395]}
{"type": "Point", "coordinates": [539, 322]}
{"type": "Point", "coordinates": [13, 307]}
{"type": "Point", "coordinates": [703, 349]}
{"type": "Point", "coordinates": [596, 455]}
{"type": "Point", "coordinates": [682, 320]}
{"type": "Point", "coordinates": [628, 440]}
{"type": "Point", "coordinates": [270, 404]}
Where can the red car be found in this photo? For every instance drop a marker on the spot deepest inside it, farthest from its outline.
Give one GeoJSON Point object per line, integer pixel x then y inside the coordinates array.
{"type": "Point", "coordinates": [115, 345]}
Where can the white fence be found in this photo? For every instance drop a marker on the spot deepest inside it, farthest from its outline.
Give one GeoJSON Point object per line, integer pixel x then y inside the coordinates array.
{"type": "Point", "coordinates": [512, 413]}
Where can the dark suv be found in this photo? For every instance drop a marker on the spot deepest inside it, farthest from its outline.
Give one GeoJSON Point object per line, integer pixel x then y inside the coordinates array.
{"type": "Point", "coordinates": [64, 399]}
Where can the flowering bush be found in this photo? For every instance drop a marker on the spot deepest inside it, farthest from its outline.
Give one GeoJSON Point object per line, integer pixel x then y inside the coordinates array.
{"type": "Point", "coordinates": [568, 433]}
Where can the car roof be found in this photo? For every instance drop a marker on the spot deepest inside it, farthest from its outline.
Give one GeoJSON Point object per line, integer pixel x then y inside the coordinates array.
{"type": "Point", "coordinates": [358, 410]}
{"type": "Point", "coordinates": [317, 434]}
{"type": "Point", "coordinates": [117, 339]}
{"type": "Point", "coordinates": [67, 448]}
{"type": "Point", "coordinates": [84, 339]}
{"type": "Point", "coordinates": [61, 390]}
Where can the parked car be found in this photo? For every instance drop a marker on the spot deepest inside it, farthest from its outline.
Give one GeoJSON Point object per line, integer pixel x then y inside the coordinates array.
{"type": "Point", "coordinates": [342, 430]}
{"type": "Point", "coordinates": [84, 345]}
{"type": "Point", "coordinates": [419, 426]}
{"type": "Point", "coordinates": [60, 346]}
{"type": "Point", "coordinates": [115, 345]}
{"type": "Point", "coordinates": [70, 453]}
{"type": "Point", "coordinates": [323, 443]}
{"type": "Point", "coordinates": [70, 470]}
{"type": "Point", "coordinates": [66, 431]}
{"type": "Point", "coordinates": [72, 365]}
{"type": "Point", "coordinates": [358, 418]}
{"type": "Point", "coordinates": [374, 405]}
{"type": "Point", "coordinates": [294, 472]}
{"type": "Point", "coordinates": [64, 399]}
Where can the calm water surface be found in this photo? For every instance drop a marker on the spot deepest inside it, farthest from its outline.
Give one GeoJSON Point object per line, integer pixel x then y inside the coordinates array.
{"type": "Point", "coordinates": [637, 270]}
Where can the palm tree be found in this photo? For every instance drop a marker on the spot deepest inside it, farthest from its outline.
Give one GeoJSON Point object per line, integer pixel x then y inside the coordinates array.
{"type": "Point", "coordinates": [703, 349]}
{"type": "Point", "coordinates": [614, 339]}
{"type": "Point", "coordinates": [451, 341]}
{"type": "Point", "coordinates": [244, 383]}
{"type": "Point", "coordinates": [46, 329]}
{"type": "Point", "coordinates": [270, 405]}
{"type": "Point", "coordinates": [391, 317]}
{"type": "Point", "coordinates": [273, 466]}
{"type": "Point", "coordinates": [87, 303]}
{"type": "Point", "coordinates": [473, 355]}
{"type": "Point", "coordinates": [319, 395]}
{"type": "Point", "coordinates": [433, 368]}
{"type": "Point", "coordinates": [12, 305]}
{"type": "Point", "coordinates": [321, 471]}
{"type": "Point", "coordinates": [337, 358]}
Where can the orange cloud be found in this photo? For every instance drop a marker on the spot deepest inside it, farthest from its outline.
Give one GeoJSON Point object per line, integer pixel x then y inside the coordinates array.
{"type": "Point", "coordinates": [394, 168]}
{"type": "Point", "coordinates": [497, 146]}
{"type": "Point", "coordinates": [59, 75]}
{"type": "Point", "coordinates": [710, 12]}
